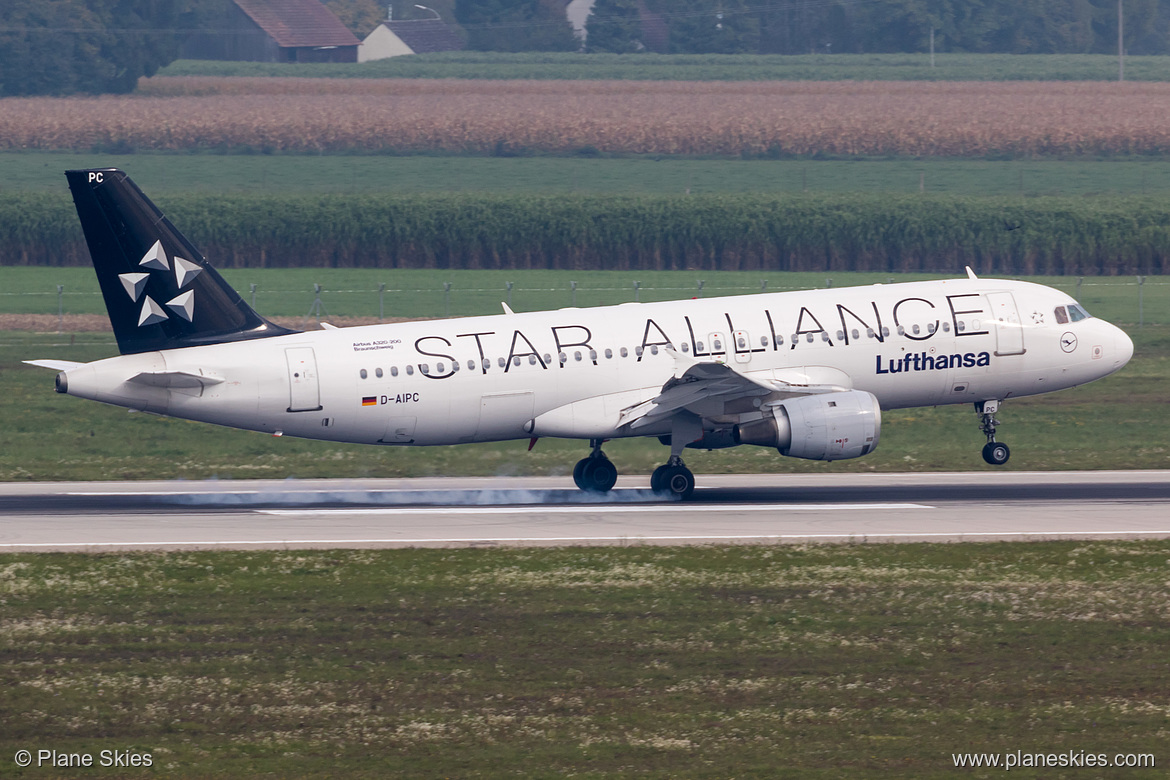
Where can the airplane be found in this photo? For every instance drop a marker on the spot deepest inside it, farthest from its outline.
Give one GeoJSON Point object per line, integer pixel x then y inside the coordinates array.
{"type": "Point", "coordinates": [807, 373]}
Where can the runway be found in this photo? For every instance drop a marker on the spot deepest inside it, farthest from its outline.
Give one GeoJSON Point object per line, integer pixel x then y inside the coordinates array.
{"type": "Point", "coordinates": [471, 512]}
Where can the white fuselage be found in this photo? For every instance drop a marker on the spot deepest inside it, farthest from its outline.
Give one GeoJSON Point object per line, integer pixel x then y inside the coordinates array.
{"type": "Point", "coordinates": [489, 378]}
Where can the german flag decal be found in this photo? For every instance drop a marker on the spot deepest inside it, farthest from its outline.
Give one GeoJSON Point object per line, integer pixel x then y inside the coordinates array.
{"type": "Point", "coordinates": [370, 400]}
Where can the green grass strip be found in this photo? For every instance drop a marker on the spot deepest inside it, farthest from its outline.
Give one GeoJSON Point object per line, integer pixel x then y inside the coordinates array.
{"type": "Point", "coordinates": [709, 67]}
{"type": "Point", "coordinates": [661, 662]}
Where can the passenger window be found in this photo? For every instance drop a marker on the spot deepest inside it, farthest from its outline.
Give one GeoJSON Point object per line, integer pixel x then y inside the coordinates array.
{"type": "Point", "coordinates": [699, 346]}
{"type": "Point", "coordinates": [855, 334]}
{"type": "Point", "coordinates": [470, 365]}
{"type": "Point", "coordinates": [455, 367]}
{"type": "Point", "coordinates": [742, 344]}
{"type": "Point", "coordinates": [653, 349]}
{"type": "Point", "coordinates": [547, 359]}
{"type": "Point", "coordinates": [410, 370]}
{"type": "Point", "coordinates": [593, 355]}
{"type": "Point", "coordinates": [501, 362]}
{"type": "Point", "coordinates": [364, 374]}
{"type": "Point", "coordinates": [378, 372]}
{"type": "Point", "coordinates": [531, 360]}
{"type": "Point", "coordinates": [916, 330]}
{"type": "Point", "coordinates": [869, 333]}
{"type": "Point", "coordinates": [763, 341]}
{"type": "Point", "coordinates": [393, 370]}
{"type": "Point", "coordinates": [717, 345]}
{"type": "Point", "coordinates": [577, 356]}
{"type": "Point", "coordinates": [1061, 316]}
{"type": "Point", "coordinates": [486, 364]}
{"type": "Point", "coordinates": [515, 360]}
{"type": "Point", "coordinates": [563, 358]}
{"type": "Point", "coordinates": [608, 354]}
{"type": "Point", "coordinates": [686, 347]}
{"type": "Point", "coordinates": [426, 369]}
{"type": "Point", "coordinates": [779, 340]}
{"type": "Point", "coordinates": [625, 352]}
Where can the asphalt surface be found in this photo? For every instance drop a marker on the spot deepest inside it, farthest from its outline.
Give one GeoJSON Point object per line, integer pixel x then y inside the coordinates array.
{"type": "Point", "coordinates": [454, 512]}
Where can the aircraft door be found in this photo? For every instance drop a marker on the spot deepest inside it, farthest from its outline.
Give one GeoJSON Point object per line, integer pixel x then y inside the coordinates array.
{"type": "Point", "coordinates": [743, 346]}
{"type": "Point", "coordinates": [304, 388]}
{"type": "Point", "coordinates": [1009, 333]}
{"type": "Point", "coordinates": [717, 343]}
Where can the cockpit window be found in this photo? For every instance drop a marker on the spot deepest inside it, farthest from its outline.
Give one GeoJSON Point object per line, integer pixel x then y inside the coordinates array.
{"type": "Point", "coordinates": [1061, 315]}
{"type": "Point", "coordinates": [1076, 313]}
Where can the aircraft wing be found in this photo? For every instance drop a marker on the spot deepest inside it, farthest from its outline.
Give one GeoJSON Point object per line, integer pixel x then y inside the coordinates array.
{"type": "Point", "coordinates": [709, 389]}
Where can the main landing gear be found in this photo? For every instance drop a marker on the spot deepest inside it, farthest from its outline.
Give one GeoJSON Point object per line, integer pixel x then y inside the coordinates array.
{"type": "Point", "coordinates": [994, 452]}
{"type": "Point", "coordinates": [673, 479]}
{"type": "Point", "coordinates": [598, 475]}
{"type": "Point", "coordinates": [595, 473]}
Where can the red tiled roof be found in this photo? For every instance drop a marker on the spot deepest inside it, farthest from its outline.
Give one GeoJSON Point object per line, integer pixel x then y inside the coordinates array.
{"type": "Point", "coordinates": [298, 22]}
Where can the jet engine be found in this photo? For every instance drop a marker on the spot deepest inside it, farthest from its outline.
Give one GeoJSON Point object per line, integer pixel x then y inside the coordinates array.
{"type": "Point", "coordinates": [826, 426]}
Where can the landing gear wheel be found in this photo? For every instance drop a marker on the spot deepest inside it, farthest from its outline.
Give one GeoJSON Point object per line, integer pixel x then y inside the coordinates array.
{"type": "Point", "coordinates": [598, 475]}
{"type": "Point", "coordinates": [677, 481]}
{"type": "Point", "coordinates": [996, 453]}
{"type": "Point", "coordinates": [578, 471]}
{"type": "Point", "coordinates": [656, 479]}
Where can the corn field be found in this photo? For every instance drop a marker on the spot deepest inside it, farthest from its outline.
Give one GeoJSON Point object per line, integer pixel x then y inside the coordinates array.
{"type": "Point", "coordinates": [956, 119]}
{"type": "Point", "coordinates": [808, 232]}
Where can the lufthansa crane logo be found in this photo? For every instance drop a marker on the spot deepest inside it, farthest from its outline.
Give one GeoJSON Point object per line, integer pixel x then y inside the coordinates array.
{"type": "Point", "coordinates": [1068, 342]}
{"type": "Point", "coordinates": [182, 305]}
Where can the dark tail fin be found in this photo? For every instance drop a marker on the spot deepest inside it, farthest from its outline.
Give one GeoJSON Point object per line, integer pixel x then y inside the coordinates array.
{"type": "Point", "coordinates": [159, 290]}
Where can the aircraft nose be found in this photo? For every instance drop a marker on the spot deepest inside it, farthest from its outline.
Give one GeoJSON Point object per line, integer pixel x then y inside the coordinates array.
{"type": "Point", "coordinates": [1122, 347]}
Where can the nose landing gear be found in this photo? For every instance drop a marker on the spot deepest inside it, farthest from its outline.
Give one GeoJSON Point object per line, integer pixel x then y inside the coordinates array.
{"type": "Point", "coordinates": [994, 452]}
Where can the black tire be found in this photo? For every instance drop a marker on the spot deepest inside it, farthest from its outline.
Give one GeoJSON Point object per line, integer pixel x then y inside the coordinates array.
{"type": "Point", "coordinates": [599, 476]}
{"type": "Point", "coordinates": [678, 481]}
{"type": "Point", "coordinates": [656, 479]}
{"type": "Point", "coordinates": [996, 453]}
{"type": "Point", "coordinates": [579, 473]}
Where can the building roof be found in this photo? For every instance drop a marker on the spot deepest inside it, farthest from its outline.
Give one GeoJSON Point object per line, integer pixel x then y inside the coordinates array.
{"type": "Point", "coordinates": [424, 36]}
{"type": "Point", "coordinates": [298, 23]}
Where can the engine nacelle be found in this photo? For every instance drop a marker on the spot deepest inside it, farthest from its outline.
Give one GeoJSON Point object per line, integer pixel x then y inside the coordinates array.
{"type": "Point", "coordinates": [827, 426]}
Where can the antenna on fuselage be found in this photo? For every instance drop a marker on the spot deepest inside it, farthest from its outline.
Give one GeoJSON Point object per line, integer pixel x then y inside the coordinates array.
{"type": "Point", "coordinates": [971, 274]}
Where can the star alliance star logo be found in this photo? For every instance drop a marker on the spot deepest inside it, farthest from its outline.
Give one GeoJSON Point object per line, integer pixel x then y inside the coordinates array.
{"type": "Point", "coordinates": [182, 305]}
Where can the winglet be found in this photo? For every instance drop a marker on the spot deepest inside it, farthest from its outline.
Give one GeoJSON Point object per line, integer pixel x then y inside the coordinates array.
{"type": "Point", "coordinates": [507, 308]}
{"type": "Point", "coordinates": [971, 274]}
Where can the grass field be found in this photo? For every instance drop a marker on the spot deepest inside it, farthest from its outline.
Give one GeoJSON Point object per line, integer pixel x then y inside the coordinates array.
{"type": "Point", "coordinates": [709, 67]}
{"type": "Point", "coordinates": [415, 293]}
{"type": "Point", "coordinates": [212, 173]}
{"type": "Point", "coordinates": [881, 660]}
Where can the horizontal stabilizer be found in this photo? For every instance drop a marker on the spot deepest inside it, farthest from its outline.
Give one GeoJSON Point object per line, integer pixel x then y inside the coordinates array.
{"type": "Point", "coordinates": [56, 365]}
{"type": "Point", "coordinates": [174, 379]}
